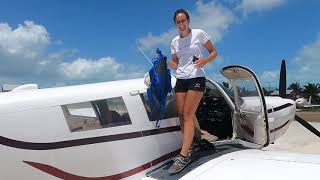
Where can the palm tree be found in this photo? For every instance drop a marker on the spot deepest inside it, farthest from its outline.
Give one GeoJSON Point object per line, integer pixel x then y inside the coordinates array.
{"type": "Point", "coordinates": [296, 87]}
{"type": "Point", "coordinates": [311, 90]}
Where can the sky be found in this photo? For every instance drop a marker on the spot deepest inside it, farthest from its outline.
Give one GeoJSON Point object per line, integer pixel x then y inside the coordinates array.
{"type": "Point", "coordinates": [58, 43]}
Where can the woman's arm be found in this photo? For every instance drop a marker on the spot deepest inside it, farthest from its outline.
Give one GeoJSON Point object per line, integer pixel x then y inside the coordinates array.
{"type": "Point", "coordinates": [174, 62]}
{"type": "Point", "coordinates": [212, 55]}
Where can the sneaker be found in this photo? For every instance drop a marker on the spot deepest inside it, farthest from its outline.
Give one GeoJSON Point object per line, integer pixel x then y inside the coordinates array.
{"type": "Point", "coordinates": [179, 164]}
{"type": "Point", "coordinates": [193, 149]}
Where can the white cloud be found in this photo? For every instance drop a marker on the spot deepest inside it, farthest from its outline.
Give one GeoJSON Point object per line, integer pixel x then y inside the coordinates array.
{"type": "Point", "coordinates": [248, 6]}
{"type": "Point", "coordinates": [213, 68]}
{"type": "Point", "coordinates": [215, 63]}
{"type": "Point", "coordinates": [305, 67]}
{"type": "Point", "coordinates": [23, 50]}
{"type": "Point", "coordinates": [28, 40]}
{"type": "Point", "coordinates": [269, 75]}
{"type": "Point", "coordinates": [214, 17]}
{"type": "Point", "coordinates": [151, 41]}
{"type": "Point", "coordinates": [60, 55]}
{"type": "Point", "coordinates": [25, 59]}
{"type": "Point", "coordinates": [270, 78]}
{"type": "Point", "coordinates": [83, 68]}
{"type": "Point", "coordinates": [98, 70]}
{"type": "Point", "coordinates": [216, 76]}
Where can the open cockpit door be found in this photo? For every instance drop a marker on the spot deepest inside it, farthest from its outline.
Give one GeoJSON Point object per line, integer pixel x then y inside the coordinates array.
{"type": "Point", "coordinates": [250, 106]}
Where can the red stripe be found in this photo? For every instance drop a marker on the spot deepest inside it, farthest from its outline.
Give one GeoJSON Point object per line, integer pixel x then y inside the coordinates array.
{"type": "Point", "coordinates": [65, 175]}
{"type": "Point", "coordinates": [251, 133]}
{"type": "Point", "coordinates": [276, 129]}
{"type": "Point", "coordinates": [85, 141]}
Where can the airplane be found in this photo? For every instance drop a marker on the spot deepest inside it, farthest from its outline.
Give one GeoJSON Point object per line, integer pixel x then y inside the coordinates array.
{"type": "Point", "coordinates": [107, 131]}
{"type": "Point", "coordinates": [304, 103]}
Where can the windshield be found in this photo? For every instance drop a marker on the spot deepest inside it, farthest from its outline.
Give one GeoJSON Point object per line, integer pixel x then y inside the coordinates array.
{"type": "Point", "coordinates": [229, 92]}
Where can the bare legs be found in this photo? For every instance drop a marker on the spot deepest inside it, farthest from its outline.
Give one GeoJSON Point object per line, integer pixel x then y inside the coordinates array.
{"type": "Point", "coordinates": [187, 104]}
{"type": "Point", "coordinates": [180, 99]}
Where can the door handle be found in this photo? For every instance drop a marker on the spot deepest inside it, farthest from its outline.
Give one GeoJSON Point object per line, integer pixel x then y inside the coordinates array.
{"type": "Point", "coordinates": [134, 93]}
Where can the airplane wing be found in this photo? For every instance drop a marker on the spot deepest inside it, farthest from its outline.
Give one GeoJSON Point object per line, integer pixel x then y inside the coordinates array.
{"type": "Point", "coordinates": [257, 164]}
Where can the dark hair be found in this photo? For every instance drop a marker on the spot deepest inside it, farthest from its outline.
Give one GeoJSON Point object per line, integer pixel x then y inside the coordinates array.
{"type": "Point", "coordinates": [180, 11]}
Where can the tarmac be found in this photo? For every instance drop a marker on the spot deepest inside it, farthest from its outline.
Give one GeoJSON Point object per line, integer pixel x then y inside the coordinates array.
{"type": "Point", "coordinates": [297, 138]}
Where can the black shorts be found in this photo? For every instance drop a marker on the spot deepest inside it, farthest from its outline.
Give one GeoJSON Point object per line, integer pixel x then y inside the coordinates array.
{"type": "Point", "coordinates": [196, 84]}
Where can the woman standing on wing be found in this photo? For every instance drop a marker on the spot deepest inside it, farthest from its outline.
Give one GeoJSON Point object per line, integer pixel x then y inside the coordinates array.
{"type": "Point", "coordinates": [188, 61]}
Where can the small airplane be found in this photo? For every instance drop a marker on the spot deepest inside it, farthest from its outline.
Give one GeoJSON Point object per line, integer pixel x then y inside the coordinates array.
{"type": "Point", "coordinates": [305, 103]}
{"type": "Point", "coordinates": [107, 131]}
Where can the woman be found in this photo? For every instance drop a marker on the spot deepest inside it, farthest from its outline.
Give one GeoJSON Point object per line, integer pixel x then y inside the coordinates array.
{"type": "Point", "coordinates": [188, 61]}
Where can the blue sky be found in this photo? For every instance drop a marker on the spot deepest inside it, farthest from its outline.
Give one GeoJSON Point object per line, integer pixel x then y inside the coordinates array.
{"type": "Point", "coordinates": [56, 43]}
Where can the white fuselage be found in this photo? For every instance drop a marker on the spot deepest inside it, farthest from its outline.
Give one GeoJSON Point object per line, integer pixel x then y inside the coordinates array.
{"type": "Point", "coordinates": [37, 142]}
{"type": "Point", "coordinates": [35, 135]}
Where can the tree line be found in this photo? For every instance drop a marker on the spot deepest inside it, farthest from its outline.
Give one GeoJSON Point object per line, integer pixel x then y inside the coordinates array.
{"type": "Point", "coordinates": [311, 89]}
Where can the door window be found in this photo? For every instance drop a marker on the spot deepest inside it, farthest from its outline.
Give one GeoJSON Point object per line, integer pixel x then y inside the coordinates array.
{"type": "Point", "coordinates": [154, 114]}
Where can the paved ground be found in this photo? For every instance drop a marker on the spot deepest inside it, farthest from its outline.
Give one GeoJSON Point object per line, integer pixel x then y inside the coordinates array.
{"type": "Point", "coordinates": [299, 139]}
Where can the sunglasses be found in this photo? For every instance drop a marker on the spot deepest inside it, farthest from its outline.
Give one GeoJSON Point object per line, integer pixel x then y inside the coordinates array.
{"type": "Point", "coordinates": [181, 21]}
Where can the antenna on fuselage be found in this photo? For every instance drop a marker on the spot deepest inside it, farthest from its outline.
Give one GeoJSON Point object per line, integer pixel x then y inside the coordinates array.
{"type": "Point", "coordinates": [283, 80]}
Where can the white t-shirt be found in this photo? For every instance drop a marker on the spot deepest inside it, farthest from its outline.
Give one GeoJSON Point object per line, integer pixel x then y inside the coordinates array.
{"type": "Point", "coordinates": [186, 48]}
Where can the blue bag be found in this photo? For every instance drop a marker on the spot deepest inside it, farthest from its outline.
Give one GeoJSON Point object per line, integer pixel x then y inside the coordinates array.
{"type": "Point", "coordinates": [160, 78]}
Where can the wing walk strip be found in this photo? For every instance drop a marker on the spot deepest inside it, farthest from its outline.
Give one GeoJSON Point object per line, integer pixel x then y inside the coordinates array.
{"type": "Point", "coordinates": [65, 175]}
{"type": "Point", "coordinates": [86, 141]}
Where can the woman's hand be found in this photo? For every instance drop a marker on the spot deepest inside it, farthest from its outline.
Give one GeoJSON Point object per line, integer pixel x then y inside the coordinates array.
{"type": "Point", "coordinates": [201, 62]}
{"type": "Point", "coordinates": [172, 64]}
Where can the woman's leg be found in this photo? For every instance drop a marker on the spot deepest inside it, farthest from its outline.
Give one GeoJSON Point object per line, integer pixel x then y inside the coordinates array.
{"type": "Point", "coordinates": [180, 98]}
{"type": "Point", "coordinates": [191, 103]}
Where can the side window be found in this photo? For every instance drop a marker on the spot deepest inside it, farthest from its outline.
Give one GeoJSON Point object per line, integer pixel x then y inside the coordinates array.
{"type": "Point", "coordinates": [154, 114]}
{"type": "Point", "coordinates": [96, 114]}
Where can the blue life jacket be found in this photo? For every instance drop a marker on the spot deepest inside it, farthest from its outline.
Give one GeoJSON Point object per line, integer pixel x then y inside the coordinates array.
{"type": "Point", "coordinates": [160, 78]}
